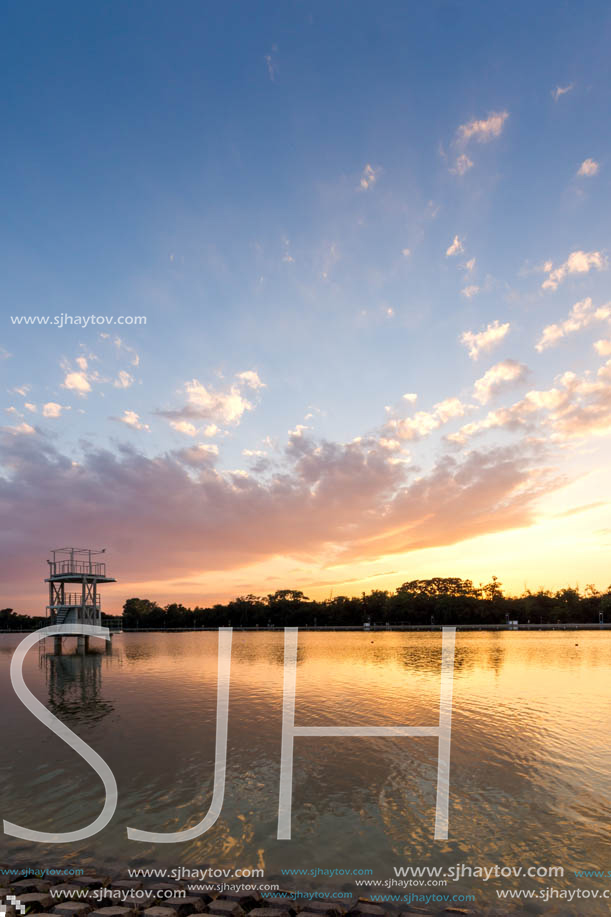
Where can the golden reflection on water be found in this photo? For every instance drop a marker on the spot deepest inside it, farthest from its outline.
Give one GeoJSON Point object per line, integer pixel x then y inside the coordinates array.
{"type": "Point", "coordinates": [530, 770]}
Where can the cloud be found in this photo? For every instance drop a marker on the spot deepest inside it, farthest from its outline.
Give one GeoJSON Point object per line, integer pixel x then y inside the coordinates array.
{"type": "Point", "coordinates": [469, 265]}
{"type": "Point", "coordinates": [484, 341]}
{"type": "Point", "coordinates": [220, 407]}
{"type": "Point", "coordinates": [498, 377]}
{"type": "Point", "coordinates": [603, 348]}
{"type": "Point", "coordinates": [121, 345]}
{"type": "Point", "coordinates": [588, 168]}
{"type": "Point", "coordinates": [369, 177]}
{"type": "Point", "coordinates": [251, 378]}
{"type": "Point", "coordinates": [561, 91]}
{"type": "Point", "coordinates": [30, 407]}
{"type": "Point", "coordinates": [271, 64]}
{"type": "Point", "coordinates": [81, 362]}
{"type": "Point", "coordinates": [51, 409]}
{"type": "Point", "coordinates": [131, 419]}
{"type": "Point", "coordinates": [422, 423]}
{"type": "Point", "coordinates": [123, 380]}
{"type": "Point", "coordinates": [22, 428]}
{"type": "Point", "coordinates": [573, 407]}
{"type": "Point", "coordinates": [411, 397]}
{"type": "Point", "coordinates": [4, 354]}
{"type": "Point", "coordinates": [470, 291]}
{"type": "Point", "coordinates": [587, 411]}
{"type": "Point", "coordinates": [455, 248]}
{"type": "Point", "coordinates": [462, 165]}
{"type": "Point", "coordinates": [483, 130]}
{"type": "Point", "coordinates": [581, 315]}
{"type": "Point", "coordinates": [183, 426]}
{"type": "Point", "coordinates": [77, 382]}
{"type": "Point", "coordinates": [578, 262]}
{"type": "Point", "coordinates": [406, 252]}
{"type": "Point", "coordinates": [175, 512]}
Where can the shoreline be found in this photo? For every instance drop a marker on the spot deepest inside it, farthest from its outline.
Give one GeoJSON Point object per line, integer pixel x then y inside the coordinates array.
{"type": "Point", "coordinates": [355, 628]}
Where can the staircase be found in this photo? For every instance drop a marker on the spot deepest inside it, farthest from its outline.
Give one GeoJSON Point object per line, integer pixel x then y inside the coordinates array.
{"type": "Point", "coordinates": [62, 614]}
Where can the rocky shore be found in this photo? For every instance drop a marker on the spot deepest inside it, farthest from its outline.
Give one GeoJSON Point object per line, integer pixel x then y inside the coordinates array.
{"type": "Point", "coordinates": [102, 896]}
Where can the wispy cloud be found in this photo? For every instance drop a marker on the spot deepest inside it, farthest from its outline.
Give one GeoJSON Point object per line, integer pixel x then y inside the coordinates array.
{"type": "Point", "coordinates": [455, 248]}
{"type": "Point", "coordinates": [470, 291]}
{"type": "Point", "coordinates": [462, 165]}
{"type": "Point", "coordinates": [369, 177]}
{"type": "Point", "coordinates": [484, 341]}
{"type": "Point", "coordinates": [578, 262]}
{"type": "Point", "coordinates": [497, 378]}
{"type": "Point", "coordinates": [221, 407]}
{"type": "Point", "coordinates": [123, 380]}
{"type": "Point", "coordinates": [270, 63]}
{"type": "Point", "coordinates": [484, 129]}
{"type": "Point", "coordinates": [422, 423]}
{"type": "Point", "coordinates": [131, 419]}
{"type": "Point", "coordinates": [574, 407]}
{"type": "Point", "coordinates": [588, 168]}
{"type": "Point", "coordinates": [581, 315]}
{"type": "Point", "coordinates": [561, 91]}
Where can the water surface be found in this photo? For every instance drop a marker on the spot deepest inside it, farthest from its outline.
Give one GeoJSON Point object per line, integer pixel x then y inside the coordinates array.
{"type": "Point", "coordinates": [530, 771]}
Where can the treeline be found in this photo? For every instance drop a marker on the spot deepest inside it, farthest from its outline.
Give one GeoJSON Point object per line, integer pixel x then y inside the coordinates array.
{"type": "Point", "coordinates": [432, 601]}
{"type": "Point", "coordinates": [442, 600]}
{"type": "Point", "coordinates": [10, 620]}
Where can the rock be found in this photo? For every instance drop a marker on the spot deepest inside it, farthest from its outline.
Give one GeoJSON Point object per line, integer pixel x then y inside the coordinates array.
{"type": "Point", "coordinates": [90, 881]}
{"type": "Point", "coordinates": [4, 892]}
{"type": "Point", "coordinates": [366, 909]}
{"type": "Point", "coordinates": [73, 909]}
{"type": "Point", "coordinates": [36, 902]}
{"type": "Point", "coordinates": [281, 903]}
{"type": "Point", "coordinates": [225, 908]}
{"type": "Point", "coordinates": [166, 886]}
{"type": "Point", "coordinates": [113, 912]}
{"type": "Point", "coordinates": [205, 897]}
{"type": "Point", "coordinates": [325, 908]}
{"type": "Point", "coordinates": [246, 900]}
{"type": "Point", "coordinates": [184, 906]}
{"type": "Point", "coordinates": [159, 912]}
{"type": "Point", "coordinates": [135, 902]}
{"type": "Point", "coordinates": [65, 890]}
{"type": "Point", "coordinates": [270, 912]}
{"type": "Point", "coordinates": [27, 886]}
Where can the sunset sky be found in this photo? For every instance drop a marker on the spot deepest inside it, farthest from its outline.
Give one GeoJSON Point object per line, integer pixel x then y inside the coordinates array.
{"type": "Point", "coordinates": [372, 248]}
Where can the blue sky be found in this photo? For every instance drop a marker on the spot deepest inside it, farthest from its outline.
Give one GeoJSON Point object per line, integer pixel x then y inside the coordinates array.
{"type": "Point", "coordinates": [311, 204]}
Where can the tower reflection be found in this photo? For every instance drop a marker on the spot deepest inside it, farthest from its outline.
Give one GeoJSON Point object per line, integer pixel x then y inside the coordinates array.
{"type": "Point", "coordinates": [74, 683]}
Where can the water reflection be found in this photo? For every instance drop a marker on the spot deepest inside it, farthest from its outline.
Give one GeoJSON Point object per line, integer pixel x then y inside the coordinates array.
{"type": "Point", "coordinates": [74, 683]}
{"type": "Point", "coordinates": [530, 761]}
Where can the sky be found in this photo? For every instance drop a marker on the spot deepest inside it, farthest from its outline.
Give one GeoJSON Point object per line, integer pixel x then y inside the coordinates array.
{"type": "Point", "coordinates": [317, 295]}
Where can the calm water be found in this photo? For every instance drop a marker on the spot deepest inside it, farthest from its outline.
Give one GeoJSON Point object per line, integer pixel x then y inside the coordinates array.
{"type": "Point", "coordinates": [530, 773]}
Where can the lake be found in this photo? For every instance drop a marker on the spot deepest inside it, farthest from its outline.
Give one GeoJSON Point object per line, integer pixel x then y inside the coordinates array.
{"type": "Point", "coordinates": [530, 757]}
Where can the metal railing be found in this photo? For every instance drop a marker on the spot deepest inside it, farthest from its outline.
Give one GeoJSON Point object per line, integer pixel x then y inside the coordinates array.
{"type": "Point", "coordinates": [79, 567]}
{"type": "Point", "coordinates": [75, 599]}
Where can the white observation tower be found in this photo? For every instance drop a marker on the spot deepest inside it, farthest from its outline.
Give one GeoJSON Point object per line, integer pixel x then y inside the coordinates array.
{"type": "Point", "coordinates": [74, 576]}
